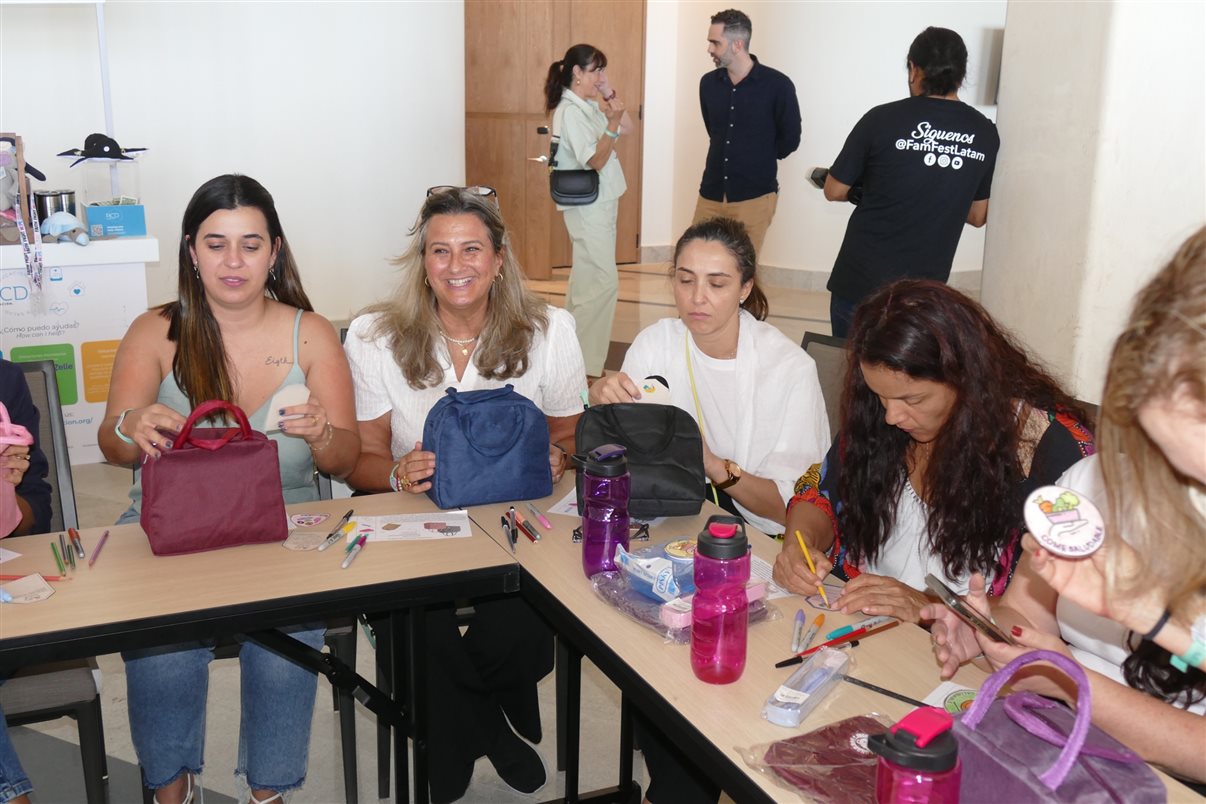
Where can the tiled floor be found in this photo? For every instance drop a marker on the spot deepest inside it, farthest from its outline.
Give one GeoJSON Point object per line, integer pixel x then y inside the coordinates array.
{"type": "Point", "coordinates": [100, 489]}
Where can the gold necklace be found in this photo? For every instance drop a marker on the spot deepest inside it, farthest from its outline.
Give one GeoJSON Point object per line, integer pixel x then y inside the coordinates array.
{"type": "Point", "coordinates": [464, 344]}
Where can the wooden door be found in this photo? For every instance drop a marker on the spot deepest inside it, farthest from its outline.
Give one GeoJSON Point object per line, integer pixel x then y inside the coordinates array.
{"type": "Point", "coordinates": [509, 46]}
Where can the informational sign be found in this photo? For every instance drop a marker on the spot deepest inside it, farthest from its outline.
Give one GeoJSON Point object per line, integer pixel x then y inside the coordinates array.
{"type": "Point", "coordinates": [77, 320]}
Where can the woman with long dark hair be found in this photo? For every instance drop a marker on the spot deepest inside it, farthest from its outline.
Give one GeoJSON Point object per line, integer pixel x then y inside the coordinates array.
{"type": "Point", "coordinates": [241, 329]}
{"type": "Point", "coordinates": [946, 426]}
{"type": "Point", "coordinates": [588, 120]}
{"type": "Point", "coordinates": [1128, 611]}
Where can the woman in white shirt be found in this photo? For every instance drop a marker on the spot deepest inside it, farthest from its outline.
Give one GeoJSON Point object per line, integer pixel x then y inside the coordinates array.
{"type": "Point", "coordinates": [462, 318]}
{"type": "Point", "coordinates": [754, 392]}
{"type": "Point", "coordinates": [1134, 612]}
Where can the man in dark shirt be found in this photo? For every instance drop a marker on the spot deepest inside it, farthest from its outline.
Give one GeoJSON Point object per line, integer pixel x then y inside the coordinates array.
{"type": "Point", "coordinates": [753, 119]}
{"type": "Point", "coordinates": [924, 166]}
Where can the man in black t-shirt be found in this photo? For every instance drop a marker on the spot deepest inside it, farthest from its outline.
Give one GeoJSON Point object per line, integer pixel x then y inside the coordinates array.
{"type": "Point", "coordinates": [924, 166]}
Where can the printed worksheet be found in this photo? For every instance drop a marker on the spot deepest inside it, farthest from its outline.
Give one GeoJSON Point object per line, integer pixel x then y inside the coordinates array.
{"type": "Point", "coordinates": [410, 527]}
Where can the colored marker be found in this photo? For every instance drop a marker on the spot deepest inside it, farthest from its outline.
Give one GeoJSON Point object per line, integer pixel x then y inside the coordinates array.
{"type": "Point", "coordinates": [812, 568]}
{"type": "Point", "coordinates": [812, 632]}
{"type": "Point", "coordinates": [797, 631]}
{"type": "Point", "coordinates": [870, 622]}
{"type": "Point", "coordinates": [76, 542]}
{"type": "Point", "coordinates": [541, 518]}
{"type": "Point", "coordinates": [851, 637]}
{"type": "Point", "coordinates": [800, 659]}
{"type": "Point", "coordinates": [528, 527]}
{"type": "Point", "coordinates": [95, 553]}
{"type": "Point", "coordinates": [63, 547]}
{"type": "Point", "coordinates": [506, 526]}
{"type": "Point", "coordinates": [355, 551]}
{"type": "Point", "coordinates": [54, 548]}
{"type": "Point", "coordinates": [70, 558]}
{"type": "Point", "coordinates": [337, 532]}
{"type": "Point", "coordinates": [511, 525]}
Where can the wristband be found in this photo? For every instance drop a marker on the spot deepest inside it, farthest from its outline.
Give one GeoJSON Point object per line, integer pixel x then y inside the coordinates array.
{"type": "Point", "coordinates": [1150, 636]}
{"type": "Point", "coordinates": [1190, 658]}
{"type": "Point", "coordinates": [615, 135]}
{"type": "Point", "coordinates": [393, 477]}
{"type": "Point", "coordinates": [117, 427]}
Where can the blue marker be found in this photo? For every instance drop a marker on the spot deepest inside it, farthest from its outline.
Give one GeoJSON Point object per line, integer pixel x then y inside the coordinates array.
{"type": "Point", "coordinates": [5, 597]}
{"type": "Point", "coordinates": [873, 622]}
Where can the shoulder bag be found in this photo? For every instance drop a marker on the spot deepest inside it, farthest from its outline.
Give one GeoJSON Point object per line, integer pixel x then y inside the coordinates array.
{"type": "Point", "coordinates": [1028, 748]}
{"type": "Point", "coordinates": [665, 455]}
{"type": "Point", "coordinates": [570, 188]}
{"type": "Point", "coordinates": [215, 487]}
{"type": "Point", "coordinates": [490, 446]}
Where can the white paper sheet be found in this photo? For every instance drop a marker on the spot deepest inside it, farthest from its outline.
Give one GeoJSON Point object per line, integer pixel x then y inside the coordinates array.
{"type": "Point", "coordinates": [8, 555]}
{"type": "Point", "coordinates": [411, 527]}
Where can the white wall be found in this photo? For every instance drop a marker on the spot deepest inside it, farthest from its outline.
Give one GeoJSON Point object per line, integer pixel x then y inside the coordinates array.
{"type": "Point", "coordinates": [346, 112]}
{"type": "Point", "coordinates": [1102, 113]}
{"type": "Point", "coordinates": [844, 58]}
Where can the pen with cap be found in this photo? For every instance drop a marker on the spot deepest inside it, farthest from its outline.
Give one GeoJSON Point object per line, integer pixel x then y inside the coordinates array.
{"type": "Point", "coordinates": [354, 551]}
{"type": "Point", "coordinates": [528, 528]}
{"type": "Point", "coordinates": [335, 534]}
{"type": "Point", "coordinates": [506, 526]}
{"type": "Point", "coordinates": [867, 624]}
{"type": "Point", "coordinates": [540, 517]}
{"type": "Point", "coordinates": [76, 542]}
{"type": "Point", "coordinates": [511, 524]}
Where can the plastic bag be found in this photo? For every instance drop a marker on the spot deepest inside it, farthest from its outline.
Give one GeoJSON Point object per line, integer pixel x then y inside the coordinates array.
{"type": "Point", "coordinates": [831, 764]}
{"type": "Point", "coordinates": [614, 588]}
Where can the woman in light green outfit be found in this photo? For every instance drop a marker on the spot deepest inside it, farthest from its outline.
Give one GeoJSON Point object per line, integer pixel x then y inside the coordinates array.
{"type": "Point", "coordinates": [589, 119]}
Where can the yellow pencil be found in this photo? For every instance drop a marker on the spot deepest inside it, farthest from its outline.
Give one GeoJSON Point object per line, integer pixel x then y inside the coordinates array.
{"type": "Point", "coordinates": [812, 568]}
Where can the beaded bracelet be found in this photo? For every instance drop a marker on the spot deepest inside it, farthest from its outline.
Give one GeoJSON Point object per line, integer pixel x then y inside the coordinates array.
{"type": "Point", "coordinates": [393, 477]}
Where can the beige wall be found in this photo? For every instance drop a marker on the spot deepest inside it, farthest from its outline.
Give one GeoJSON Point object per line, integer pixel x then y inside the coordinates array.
{"type": "Point", "coordinates": [1102, 125]}
{"type": "Point", "coordinates": [345, 111]}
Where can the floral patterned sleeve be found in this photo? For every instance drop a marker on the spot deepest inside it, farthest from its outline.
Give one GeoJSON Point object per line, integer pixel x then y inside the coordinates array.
{"type": "Point", "coordinates": [818, 487]}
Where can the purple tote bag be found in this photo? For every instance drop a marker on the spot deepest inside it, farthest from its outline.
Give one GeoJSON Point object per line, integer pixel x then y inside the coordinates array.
{"type": "Point", "coordinates": [1027, 748]}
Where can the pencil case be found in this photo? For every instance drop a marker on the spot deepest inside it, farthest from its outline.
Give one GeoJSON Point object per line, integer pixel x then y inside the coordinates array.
{"type": "Point", "coordinates": [806, 688]}
{"type": "Point", "coordinates": [677, 613]}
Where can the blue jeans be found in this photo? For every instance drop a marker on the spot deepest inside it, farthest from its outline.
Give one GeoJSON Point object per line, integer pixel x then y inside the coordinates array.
{"type": "Point", "coordinates": [13, 781]}
{"type": "Point", "coordinates": [841, 315]}
{"type": "Point", "coordinates": [167, 689]}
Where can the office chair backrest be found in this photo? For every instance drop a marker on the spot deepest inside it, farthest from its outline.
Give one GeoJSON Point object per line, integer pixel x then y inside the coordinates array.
{"type": "Point", "coordinates": [829, 353]}
{"type": "Point", "coordinates": [52, 438]}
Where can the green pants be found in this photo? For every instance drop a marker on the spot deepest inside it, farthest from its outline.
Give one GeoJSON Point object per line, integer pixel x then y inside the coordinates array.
{"type": "Point", "coordinates": [594, 283]}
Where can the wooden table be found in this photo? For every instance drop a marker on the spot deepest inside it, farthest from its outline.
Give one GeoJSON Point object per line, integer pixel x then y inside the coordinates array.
{"type": "Point", "coordinates": [132, 598]}
{"type": "Point", "coordinates": [713, 722]}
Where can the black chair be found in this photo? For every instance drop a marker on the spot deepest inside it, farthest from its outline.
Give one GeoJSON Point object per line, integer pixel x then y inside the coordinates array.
{"type": "Point", "coordinates": [61, 689]}
{"type": "Point", "coordinates": [829, 353]}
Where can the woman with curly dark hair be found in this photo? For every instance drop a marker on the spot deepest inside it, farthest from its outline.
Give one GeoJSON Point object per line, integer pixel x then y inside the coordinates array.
{"type": "Point", "coordinates": [946, 426]}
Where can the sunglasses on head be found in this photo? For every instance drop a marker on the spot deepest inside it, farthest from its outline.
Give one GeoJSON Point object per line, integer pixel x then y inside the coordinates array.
{"type": "Point", "coordinates": [477, 189]}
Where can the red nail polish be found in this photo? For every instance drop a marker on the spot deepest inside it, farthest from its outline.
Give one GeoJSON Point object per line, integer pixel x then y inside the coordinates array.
{"type": "Point", "coordinates": [1016, 630]}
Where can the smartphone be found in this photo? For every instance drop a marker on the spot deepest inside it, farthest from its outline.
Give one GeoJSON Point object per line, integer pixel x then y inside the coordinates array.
{"type": "Point", "coordinates": [966, 612]}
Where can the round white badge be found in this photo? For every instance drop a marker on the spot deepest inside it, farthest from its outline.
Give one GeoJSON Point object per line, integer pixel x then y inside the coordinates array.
{"type": "Point", "coordinates": [1064, 522]}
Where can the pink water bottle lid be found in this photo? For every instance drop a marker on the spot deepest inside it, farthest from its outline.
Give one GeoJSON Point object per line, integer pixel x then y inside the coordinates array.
{"type": "Point", "coordinates": [921, 740]}
{"type": "Point", "coordinates": [722, 530]}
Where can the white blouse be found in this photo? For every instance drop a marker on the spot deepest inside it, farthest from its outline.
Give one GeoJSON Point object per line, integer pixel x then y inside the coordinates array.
{"type": "Point", "coordinates": [555, 379]}
{"type": "Point", "coordinates": [763, 409]}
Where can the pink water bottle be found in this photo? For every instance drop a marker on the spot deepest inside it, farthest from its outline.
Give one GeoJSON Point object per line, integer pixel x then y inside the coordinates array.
{"type": "Point", "coordinates": [720, 610]}
{"type": "Point", "coordinates": [918, 760]}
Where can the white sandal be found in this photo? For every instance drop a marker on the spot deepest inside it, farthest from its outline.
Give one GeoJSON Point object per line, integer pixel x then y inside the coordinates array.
{"type": "Point", "coordinates": [251, 799]}
{"type": "Point", "coordinates": [188, 795]}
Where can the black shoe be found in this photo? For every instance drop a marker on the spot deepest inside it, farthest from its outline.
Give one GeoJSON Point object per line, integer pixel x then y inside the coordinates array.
{"type": "Point", "coordinates": [448, 787]}
{"type": "Point", "coordinates": [518, 764]}
{"type": "Point", "coordinates": [522, 708]}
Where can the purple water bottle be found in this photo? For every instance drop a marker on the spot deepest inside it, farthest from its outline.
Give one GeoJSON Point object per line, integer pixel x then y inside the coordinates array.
{"type": "Point", "coordinates": [605, 488]}
{"type": "Point", "coordinates": [720, 610]}
{"type": "Point", "coordinates": [918, 760]}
